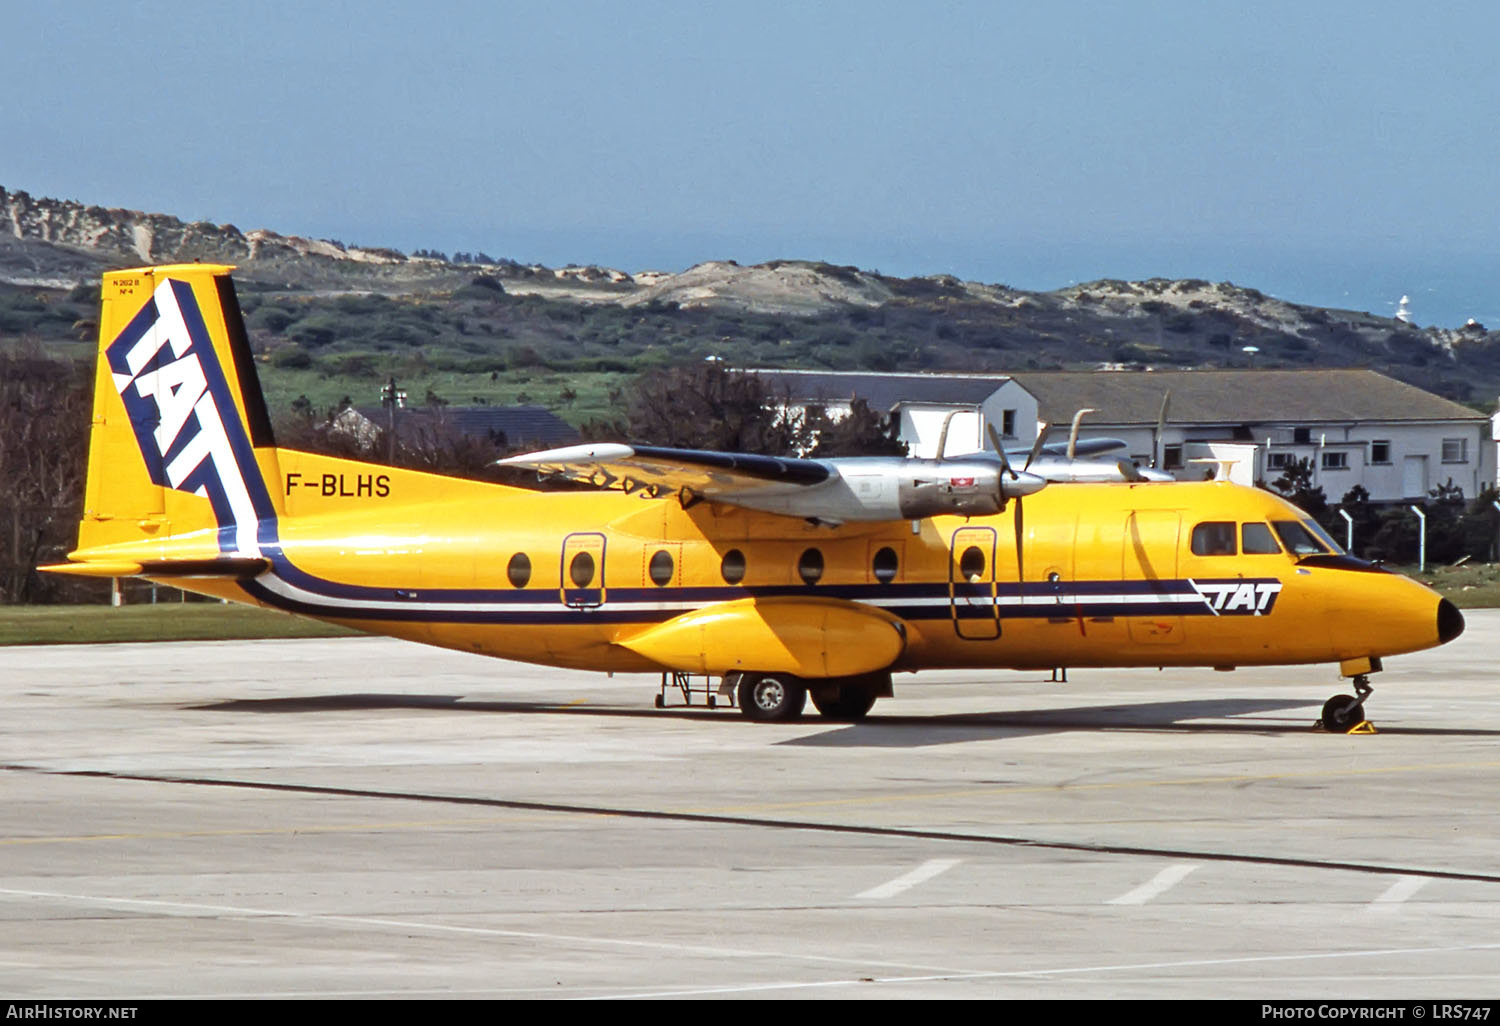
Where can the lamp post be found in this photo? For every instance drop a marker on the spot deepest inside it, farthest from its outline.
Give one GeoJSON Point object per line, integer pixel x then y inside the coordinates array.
{"type": "Point", "coordinates": [391, 398]}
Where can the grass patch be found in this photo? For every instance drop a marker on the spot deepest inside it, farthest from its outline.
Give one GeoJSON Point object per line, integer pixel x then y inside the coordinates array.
{"type": "Point", "coordinates": [165, 621]}
{"type": "Point", "coordinates": [1471, 586]}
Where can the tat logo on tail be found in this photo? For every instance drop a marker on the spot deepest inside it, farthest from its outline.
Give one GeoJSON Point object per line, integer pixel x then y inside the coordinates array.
{"type": "Point", "coordinates": [171, 381]}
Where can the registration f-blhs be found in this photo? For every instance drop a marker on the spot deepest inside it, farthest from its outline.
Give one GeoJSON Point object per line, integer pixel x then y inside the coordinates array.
{"type": "Point", "coordinates": [786, 578]}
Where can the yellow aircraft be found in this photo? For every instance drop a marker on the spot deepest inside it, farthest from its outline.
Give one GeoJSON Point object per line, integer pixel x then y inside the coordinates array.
{"type": "Point", "coordinates": [785, 577]}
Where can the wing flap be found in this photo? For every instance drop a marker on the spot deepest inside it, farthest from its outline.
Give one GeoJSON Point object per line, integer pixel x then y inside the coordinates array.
{"type": "Point", "coordinates": [710, 474]}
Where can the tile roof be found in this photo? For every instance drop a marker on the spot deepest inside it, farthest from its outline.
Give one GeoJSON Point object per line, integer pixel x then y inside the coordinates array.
{"type": "Point", "coordinates": [883, 391]}
{"type": "Point", "coordinates": [1236, 397]}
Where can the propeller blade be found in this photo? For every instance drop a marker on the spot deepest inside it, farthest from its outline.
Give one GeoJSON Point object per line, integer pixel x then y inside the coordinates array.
{"type": "Point", "coordinates": [942, 446]}
{"type": "Point", "coordinates": [999, 448]}
{"type": "Point", "coordinates": [1036, 447]}
{"type": "Point", "coordinates": [1161, 429]}
{"type": "Point", "coordinates": [1073, 434]}
{"type": "Point", "coordinates": [1020, 534]}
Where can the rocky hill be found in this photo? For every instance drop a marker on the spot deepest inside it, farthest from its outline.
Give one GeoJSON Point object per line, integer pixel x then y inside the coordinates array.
{"type": "Point", "coordinates": [315, 304]}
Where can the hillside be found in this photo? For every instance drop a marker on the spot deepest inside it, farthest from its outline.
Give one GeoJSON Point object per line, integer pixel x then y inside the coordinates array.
{"type": "Point", "coordinates": [329, 319]}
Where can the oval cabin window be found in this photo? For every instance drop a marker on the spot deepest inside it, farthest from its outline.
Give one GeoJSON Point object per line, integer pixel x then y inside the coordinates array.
{"type": "Point", "coordinates": [518, 570]}
{"type": "Point", "coordinates": [810, 566]}
{"type": "Point", "coordinates": [661, 568]}
{"type": "Point", "coordinates": [733, 567]}
{"type": "Point", "coordinates": [971, 564]}
{"type": "Point", "coordinates": [581, 570]}
{"type": "Point", "coordinates": [884, 565]}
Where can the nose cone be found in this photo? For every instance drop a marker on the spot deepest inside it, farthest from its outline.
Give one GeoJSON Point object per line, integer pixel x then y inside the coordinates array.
{"type": "Point", "coordinates": [1450, 622]}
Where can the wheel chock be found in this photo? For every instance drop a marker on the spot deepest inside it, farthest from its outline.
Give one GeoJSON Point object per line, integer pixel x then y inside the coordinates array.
{"type": "Point", "coordinates": [1363, 727]}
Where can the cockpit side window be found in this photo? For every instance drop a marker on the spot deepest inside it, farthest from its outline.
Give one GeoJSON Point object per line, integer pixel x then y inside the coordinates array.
{"type": "Point", "coordinates": [1299, 541]}
{"type": "Point", "coordinates": [1257, 540]}
{"type": "Point", "coordinates": [1214, 538]}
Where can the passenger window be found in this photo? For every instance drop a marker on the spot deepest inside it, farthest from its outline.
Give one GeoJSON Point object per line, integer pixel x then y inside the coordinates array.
{"type": "Point", "coordinates": [1257, 540]}
{"type": "Point", "coordinates": [1215, 538]}
{"type": "Point", "coordinates": [518, 570]}
{"type": "Point", "coordinates": [581, 570]}
{"type": "Point", "coordinates": [885, 565]}
{"type": "Point", "coordinates": [971, 564]}
{"type": "Point", "coordinates": [810, 566]}
{"type": "Point", "coordinates": [733, 567]}
{"type": "Point", "coordinates": [661, 568]}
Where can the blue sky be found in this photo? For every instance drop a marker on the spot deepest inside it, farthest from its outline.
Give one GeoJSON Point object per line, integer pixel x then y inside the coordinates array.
{"type": "Point", "coordinates": [1331, 152]}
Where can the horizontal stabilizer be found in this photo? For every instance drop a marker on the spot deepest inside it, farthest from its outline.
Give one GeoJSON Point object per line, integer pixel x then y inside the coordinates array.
{"type": "Point", "coordinates": [236, 568]}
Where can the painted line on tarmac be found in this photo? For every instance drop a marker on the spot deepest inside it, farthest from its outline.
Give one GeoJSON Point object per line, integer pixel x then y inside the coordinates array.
{"type": "Point", "coordinates": [1399, 892]}
{"type": "Point", "coordinates": [1021, 974]}
{"type": "Point", "coordinates": [813, 826]}
{"type": "Point", "coordinates": [1154, 888]}
{"type": "Point", "coordinates": [281, 915]}
{"type": "Point", "coordinates": [926, 871]}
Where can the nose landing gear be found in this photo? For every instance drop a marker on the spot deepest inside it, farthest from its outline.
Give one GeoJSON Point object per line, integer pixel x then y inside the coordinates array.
{"type": "Point", "coordinates": [1345, 714]}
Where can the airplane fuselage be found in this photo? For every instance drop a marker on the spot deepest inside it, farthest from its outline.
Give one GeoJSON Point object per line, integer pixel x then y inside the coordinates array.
{"type": "Point", "coordinates": [1111, 575]}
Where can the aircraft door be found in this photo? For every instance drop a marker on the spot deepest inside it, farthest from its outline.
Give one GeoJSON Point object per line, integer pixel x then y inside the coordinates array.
{"type": "Point", "coordinates": [1149, 568]}
{"type": "Point", "coordinates": [583, 570]}
{"type": "Point", "coordinates": [971, 584]}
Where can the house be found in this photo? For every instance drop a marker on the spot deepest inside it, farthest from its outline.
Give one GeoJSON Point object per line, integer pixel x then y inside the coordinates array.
{"type": "Point", "coordinates": [922, 402]}
{"type": "Point", "coordinates": [1356, 427]}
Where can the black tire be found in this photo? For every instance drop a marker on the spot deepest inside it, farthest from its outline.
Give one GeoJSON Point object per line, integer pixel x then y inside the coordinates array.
{"type": "Point", "coordinates": [1341, 713]}
{"type": "Point", "coordinates": [840, 702]}
{"type": "Point", "coordinates": [771, 698]}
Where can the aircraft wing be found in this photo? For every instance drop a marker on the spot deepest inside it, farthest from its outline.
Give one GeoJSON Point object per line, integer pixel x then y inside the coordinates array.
{"type": "Point", "coordinates": [1085, 447]}
{"type": "Point", "coordinates": [708, 474]}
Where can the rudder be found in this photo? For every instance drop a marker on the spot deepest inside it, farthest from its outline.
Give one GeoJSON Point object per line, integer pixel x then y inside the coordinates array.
{"type": "Point", "coordinates": [181, 439]}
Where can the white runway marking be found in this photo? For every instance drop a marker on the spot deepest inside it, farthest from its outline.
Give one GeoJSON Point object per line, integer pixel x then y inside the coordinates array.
{"type": "Point", "coordinates": [1399, 891]}
{"type": "Point", "coordinates": [1158, 885]}
{"type": "Point", "coordinates": [926, 871]}
{"type": "Point", "coordinates": [192, 909]}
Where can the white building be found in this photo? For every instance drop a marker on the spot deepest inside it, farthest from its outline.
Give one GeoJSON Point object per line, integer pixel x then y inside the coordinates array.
{"type": "Point", "coordinates": [1356, 427]}
{"type": "Point", "coordinates": [921, 401]}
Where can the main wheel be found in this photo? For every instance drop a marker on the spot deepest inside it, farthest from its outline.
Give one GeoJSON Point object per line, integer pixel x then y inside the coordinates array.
{"type": "Point", "coordinates": [771, 699]}
{"type": "Point", "coordinates": [1341, 712]}
{"type": "Point", "coordinates": [837, 702]}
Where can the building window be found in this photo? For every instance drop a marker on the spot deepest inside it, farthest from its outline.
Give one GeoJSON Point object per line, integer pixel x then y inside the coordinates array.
{"type": "Point", "coordinates": [1455, 450]}
{"type": "Point", "coordinates": [1008, 423]}
{"type": "Point", "coordinates": [1380, 451]}
{"type": "Point", "coordinates": [1301, 436]}
{"type": "Point", "coordinates": [1171, 457]}
{"type": "Point", "coordinates": [1281, 460]}
{"type": "Point", "coordinates": [1335, 461]}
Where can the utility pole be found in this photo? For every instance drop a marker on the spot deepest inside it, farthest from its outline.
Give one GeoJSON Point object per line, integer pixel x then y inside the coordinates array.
{"type": "Point", "coordinates": [392, 398]}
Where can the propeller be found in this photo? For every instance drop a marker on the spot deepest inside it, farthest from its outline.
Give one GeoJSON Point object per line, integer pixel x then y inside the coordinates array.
{"type": "Point", "coordinates": [1073, 432]}
{"type": "Point", "coordinates": [1161, 430]}
{"type": "Point", "coordinates": [1007, 469]}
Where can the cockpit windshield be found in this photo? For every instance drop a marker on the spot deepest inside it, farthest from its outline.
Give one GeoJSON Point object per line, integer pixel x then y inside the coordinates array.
{"type": "Point", "coordinates": [1303, 537]}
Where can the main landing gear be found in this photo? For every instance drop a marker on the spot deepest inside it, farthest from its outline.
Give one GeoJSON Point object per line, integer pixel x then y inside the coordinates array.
{"type": "Point", "coordinates": [1345, 714]}
{"type": "Point", "coordinates": [778, 697]}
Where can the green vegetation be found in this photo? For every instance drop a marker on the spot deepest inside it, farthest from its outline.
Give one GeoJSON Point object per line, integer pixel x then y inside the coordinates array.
{"type": "Point", "coordinates": [164, 621]}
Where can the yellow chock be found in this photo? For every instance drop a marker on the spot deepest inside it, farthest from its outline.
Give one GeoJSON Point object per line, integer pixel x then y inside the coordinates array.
{"type": "Point", "coordinates": [1362, 727]}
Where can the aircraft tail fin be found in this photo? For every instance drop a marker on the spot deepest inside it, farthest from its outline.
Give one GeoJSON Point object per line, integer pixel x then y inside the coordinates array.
{"type": "Point", "coordinates": [181, 443]}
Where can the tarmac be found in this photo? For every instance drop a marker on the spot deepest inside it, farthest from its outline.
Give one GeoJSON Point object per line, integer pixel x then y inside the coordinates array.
{"type": "Point", "coordinates": [364, 818]}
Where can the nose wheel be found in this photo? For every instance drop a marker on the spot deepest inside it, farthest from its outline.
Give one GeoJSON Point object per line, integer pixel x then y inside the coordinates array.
{"type": "Point", "coordinates": [1345, 714]}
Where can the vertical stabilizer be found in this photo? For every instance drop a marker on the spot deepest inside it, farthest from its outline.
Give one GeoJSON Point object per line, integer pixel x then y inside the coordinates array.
{"type": "Point", "coordinates": [181, 441]}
